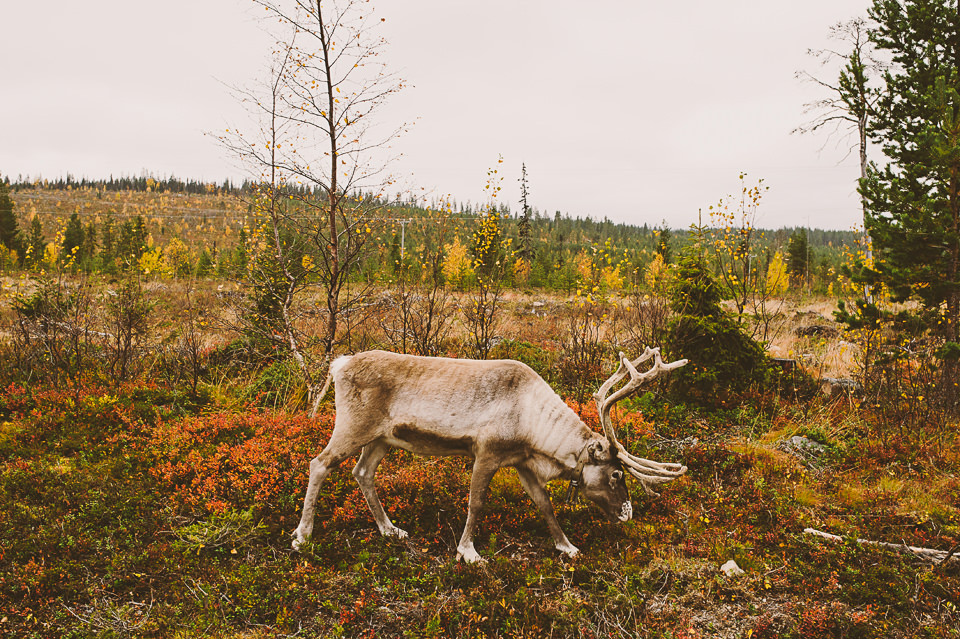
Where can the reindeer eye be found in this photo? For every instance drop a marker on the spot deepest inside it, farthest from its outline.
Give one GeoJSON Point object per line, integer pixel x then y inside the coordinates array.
{"type": "Point", "coordinates": [618, 475]}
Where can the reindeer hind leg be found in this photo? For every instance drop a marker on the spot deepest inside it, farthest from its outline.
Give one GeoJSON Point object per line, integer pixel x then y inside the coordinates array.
{"type": "Point", "coordinates": [365, 473]}
{"type": "Point", "coordinates": [338, 449]}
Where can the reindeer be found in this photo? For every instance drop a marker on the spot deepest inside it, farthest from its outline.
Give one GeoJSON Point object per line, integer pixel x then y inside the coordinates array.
{"type": "Point", "coordinates": [500, 413]}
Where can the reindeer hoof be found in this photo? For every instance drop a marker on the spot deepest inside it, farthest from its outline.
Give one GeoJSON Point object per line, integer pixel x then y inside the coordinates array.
{"type": "Point", "coordinates": [301, 537]}
{"type": "Point", "coordinates": [470, 556]}
{"type": "Point", "coordinates": [571, 552]}
{"type": "Point", "coordinates": [399, 533]}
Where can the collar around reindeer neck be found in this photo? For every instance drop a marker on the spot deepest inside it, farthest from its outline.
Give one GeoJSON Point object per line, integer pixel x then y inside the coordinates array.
{"type": "Point", "coordinates": [577, 480]}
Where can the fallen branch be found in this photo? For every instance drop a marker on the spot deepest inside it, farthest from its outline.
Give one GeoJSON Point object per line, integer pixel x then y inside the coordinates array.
{"type": "Point", "coordinates": [931, 555]}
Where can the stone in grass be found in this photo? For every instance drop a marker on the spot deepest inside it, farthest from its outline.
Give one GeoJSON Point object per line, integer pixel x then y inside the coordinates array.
{"type": "Point", "coordinates": [731, 569]}
{"type": "Point", "coordinates": [803, 448]}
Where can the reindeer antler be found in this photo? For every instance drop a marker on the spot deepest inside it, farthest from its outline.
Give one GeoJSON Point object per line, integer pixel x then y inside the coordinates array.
{"type": "Point", "coordinates": [647, 471]}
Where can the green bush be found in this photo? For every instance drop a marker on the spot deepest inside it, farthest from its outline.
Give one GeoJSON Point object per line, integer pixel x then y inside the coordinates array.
{"type": "Point", "coordinates": [724, 361]}
{"type": "Point", "coordinates": [537, 358]}
{"type": "Point", "coordinates": [279, 385]}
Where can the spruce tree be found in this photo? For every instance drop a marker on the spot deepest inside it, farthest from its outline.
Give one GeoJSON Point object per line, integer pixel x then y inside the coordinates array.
{"type": "Point", "coordinates": [523, 226]}
{"type": "Point", "coordinates": [798, 254]}
{"type": "Point", "coordinates": [73, 238]}
{"type": "Point", "coordinates": [913, 203]}
{"type": "Point", "coordinates": [139, 236]}
{"type": "Point", "coordinates": [665, 244]}
{"type": "Point", "coordinates": [205, 264]}
{"type": "Point", "coordinates": [724, 361]}
{"type": "Point", "coordinates": [88, 250]}
{"type": "Point", "coordinates": [36, 243]}
{"type": "Point", "coordinates": [394, 259]}
{"type": "Point", "coordinates": [9, 229]}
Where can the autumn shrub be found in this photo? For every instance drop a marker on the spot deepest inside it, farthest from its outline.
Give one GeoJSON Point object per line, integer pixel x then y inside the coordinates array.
{"type": "Point", "coordinates": [52, 333]}
{"type": "Point", "coordinates": [538, 358]}
{"type": "Point", "coordinates": [279, 385]}
{"type": "Point", "coordinates": [128, 323]}
{"type": "Point", "coordinates": [239, 356]}
{"type": "Point", "coordinates": [75, 495]}
{"type": "Point", "coordinates": [87, 420]}
{"type": "Point", "coordinates": [641, 320]}
{"type": "Point", "coordinates": [910, 391]}
{"type": "Point", "coordinates": [584, 348]}
{"type": "Point", "coordinates": [214, 462]}
{"type": "Point", "coordinates": [912, 399]}
{"type": "Point", "coordinates": [417, 317]}
{"type": "Point", "coordinates": [233, 528]}
{"type": "Point", "coordinates": [134, 511]}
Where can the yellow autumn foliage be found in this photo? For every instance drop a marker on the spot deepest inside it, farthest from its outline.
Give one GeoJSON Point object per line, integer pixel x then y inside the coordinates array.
{"type": "Point", "coordinates": [521, 271]}
{"type": "Point", "coordinates": [658, 276]}
{"type": "Point", "coordinates": [777, 278]}
{"type": "Point", "coordinates": [584, 266]}
{"type": "Point", "coordinates": [611, 278]}
{"type": "Point", "coordinates": [151, 262]}
{"type": "Point", "coordinates": [456, 266]}
{"type": "Point", "coordinates": [176, 258]}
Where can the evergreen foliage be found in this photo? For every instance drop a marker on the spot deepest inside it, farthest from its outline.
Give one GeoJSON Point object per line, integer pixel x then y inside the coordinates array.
{"type": "Point", "coordinates": [108, 244]}
{"type": "Point", "coordinates": [131, 240]}
{"type": "Point", "coordinates": [798, 254]}
{"type": "Point", "coordinates": [665, 244]}
{"type": "Point", "coordinates": [72, 238]}
{"type": "Point", "coordinates": [913, 203]}
{"type": "Point", "coordinates": [523, 225]}
{"type": "Point", "coordinates": [116, 237]}
{"type": "Point", "coordinates": [9, 229]}
{"type": "Point", "coordinates": [725, 361]}
{"type": "Point", "coordinates": [205, 265]}
{"type": "Point", "coordinates": [36, 244]}
{"type": "Point", "coordinates": [394, 261]}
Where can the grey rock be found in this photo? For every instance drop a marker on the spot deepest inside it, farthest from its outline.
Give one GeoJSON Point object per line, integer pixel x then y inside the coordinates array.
{"type": "Point", "coordinates": [731, 569]}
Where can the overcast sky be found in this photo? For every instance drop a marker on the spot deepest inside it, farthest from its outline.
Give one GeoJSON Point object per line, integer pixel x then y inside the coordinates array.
{"type": "Point", "coordinates": [635, 110]}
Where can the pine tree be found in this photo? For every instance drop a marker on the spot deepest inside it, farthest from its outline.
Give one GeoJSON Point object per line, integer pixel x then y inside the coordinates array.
{"type": "Point", "coordinates": [913, 203]}
{"type": "Point", "coordinates": [36, 243]}
{"type": "Point", "coordinates": [798, 254]}
{"type": "Point", "coordinates": [523, 226]}
{"type": "Point", "coordinates": [9, 229]}
{"type": "Point", "coordinates": [664, 244]}
{"type": "Point", "coordinates": [73, 238]}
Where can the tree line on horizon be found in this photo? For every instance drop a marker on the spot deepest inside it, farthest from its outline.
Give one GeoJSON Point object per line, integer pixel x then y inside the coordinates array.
{"type": "Point", "coordinates": [550, 244]}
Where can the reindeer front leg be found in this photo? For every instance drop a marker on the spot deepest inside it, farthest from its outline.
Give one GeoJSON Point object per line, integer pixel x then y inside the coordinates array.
{"type": "Point", "coordinates": [483, 471]}
{"type": "Point", "coordinates": [540, 497]}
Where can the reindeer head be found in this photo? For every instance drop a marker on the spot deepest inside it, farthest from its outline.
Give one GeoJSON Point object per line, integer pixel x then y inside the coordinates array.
{"type": "Point", "coordinates": [650, 473]}
{"type": "Point", "coordinates": [603, 480]}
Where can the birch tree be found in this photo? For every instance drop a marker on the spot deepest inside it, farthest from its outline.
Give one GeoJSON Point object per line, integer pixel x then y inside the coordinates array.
{"type": "Point", "coordinates": [318, 154]}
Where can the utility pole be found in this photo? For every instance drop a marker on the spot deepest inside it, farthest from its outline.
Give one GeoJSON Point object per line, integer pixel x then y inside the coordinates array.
{"type": "Point", "coordinates": [403, 236]}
